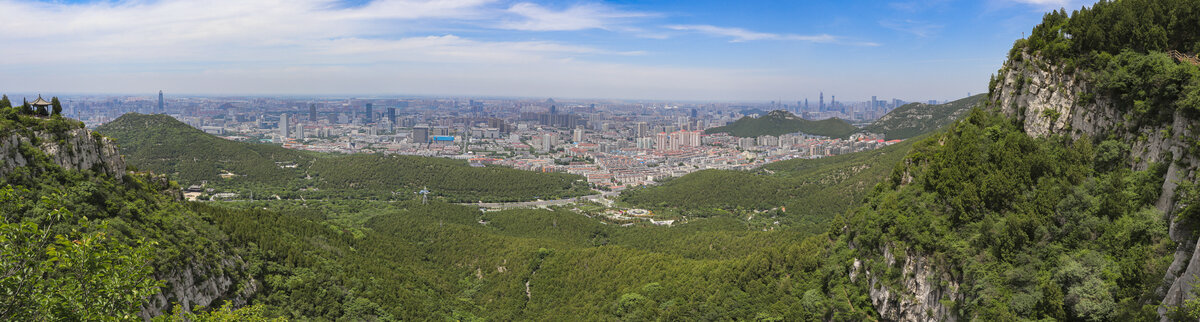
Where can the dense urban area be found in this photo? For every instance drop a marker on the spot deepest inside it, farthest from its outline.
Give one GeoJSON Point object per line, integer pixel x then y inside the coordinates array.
{"type": "Point", "coordinates": [613, 144]}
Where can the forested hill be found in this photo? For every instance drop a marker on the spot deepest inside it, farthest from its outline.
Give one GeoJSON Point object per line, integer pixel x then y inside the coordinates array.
{"type": "Point", "coordinates": [161, 144]}
{"type": "Point", "coordinates": [914, 119]}
{"type": "Point", "coordinates": [782, 122]}
{"type": "Point", "coordinates": [83, 240]}
{"type": "Point", "coordinates": [1069, 196]}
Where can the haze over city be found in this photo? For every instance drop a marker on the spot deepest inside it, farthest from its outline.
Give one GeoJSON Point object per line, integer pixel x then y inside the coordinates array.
{"type": "Point", "coordinates": [677, 50]}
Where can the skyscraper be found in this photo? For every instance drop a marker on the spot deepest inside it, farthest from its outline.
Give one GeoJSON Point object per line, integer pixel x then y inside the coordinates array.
{"type": "Point", "coordinates": [160, 102]}
{"type": "Point", "coordinates": [420, 134]}
{"type": "Point", "coordinates": [283, 126]}
{"type": "Point", "coordinates": [312, 112]}
{"type": "Point", "coordinates": [821, 107]}
{"type": "Point", "coordinates": [392, 115]}
{"type": "Point", "coordinates": [369, 115]}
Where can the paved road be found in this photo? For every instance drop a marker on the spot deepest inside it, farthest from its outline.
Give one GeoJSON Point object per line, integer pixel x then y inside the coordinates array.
{"type": "Point", "coordinates": [531, 204]}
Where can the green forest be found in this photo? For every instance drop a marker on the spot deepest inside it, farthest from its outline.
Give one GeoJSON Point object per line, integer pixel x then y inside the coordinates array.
{"type": "Point", "coordinates": [914, 119]}
{"type": "Point", "coordinates": [997, 224]}
{"type": "Point", "coordinates": [782, 122]}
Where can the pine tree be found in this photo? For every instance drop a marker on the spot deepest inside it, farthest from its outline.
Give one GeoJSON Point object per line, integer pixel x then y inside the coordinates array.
{"type": "Point", "coordinates": [25, 107]}
{"type": "Point", "coordinates": [56, 105]}
{"type": "Point", "coordinates": [4, 102]}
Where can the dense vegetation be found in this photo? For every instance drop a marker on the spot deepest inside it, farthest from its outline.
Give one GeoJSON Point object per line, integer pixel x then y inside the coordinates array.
{"type": "Point", "coordinates": [1034, 228]}
{"type": "Point", "coordinates": [68, 233]}
{"type": "Point", "coordinates": [914, 119]}
{"type": "Point", "coordinates": [1121, 48]}
{"type": "Point", "coordinates": [440, 261]}
{"type": "Point", "coordinates": [162, 144]}
{"type": "Point", "coordinates": [781, 122]}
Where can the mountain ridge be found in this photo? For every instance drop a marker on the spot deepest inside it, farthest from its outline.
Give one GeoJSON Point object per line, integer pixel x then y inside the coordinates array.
{"type": "Point", "coordinates": [780, 122]}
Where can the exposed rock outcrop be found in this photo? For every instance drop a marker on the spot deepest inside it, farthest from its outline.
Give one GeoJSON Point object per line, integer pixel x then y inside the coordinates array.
{"type": "Point", "coordinates": [75, 149]}
{"type": "Point", "coordinates": [920, 294]}
{"type": "Point", "coordinates": [190, 285]}
{"type": "Point", "coordinates": [1050, 100]}
{"type": "Point", "coordinates": [202, 285]}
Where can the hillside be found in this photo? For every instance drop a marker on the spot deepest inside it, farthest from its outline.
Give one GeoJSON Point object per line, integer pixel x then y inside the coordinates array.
{"type": "Point", "coordinates": [72, 219]}
{"type": "Point", "coordinates": [1068, 196]}
{"type": "Point", "coordinates": [162, 144]}
{"type": "Point", "coordinates": [914, 119]}
{"type": "Point", "coordinates": [782, 122]}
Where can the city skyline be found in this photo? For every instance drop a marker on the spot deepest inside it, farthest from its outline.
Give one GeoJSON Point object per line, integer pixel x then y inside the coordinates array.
{"type": "Point", "coordinates": [643, 50]}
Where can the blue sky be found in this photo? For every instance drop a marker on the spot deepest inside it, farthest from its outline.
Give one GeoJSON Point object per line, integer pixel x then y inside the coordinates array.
{"type": "Point", "coordinates": [671, 50]}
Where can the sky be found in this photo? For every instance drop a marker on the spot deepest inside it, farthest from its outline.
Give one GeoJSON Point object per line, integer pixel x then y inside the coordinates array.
{"type": "Point", "coordinates": [691, 50]}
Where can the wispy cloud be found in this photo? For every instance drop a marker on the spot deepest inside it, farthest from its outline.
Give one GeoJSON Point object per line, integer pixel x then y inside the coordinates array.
{"type": "Point", "coordinates": [534, 17]}
{"type": "Point", "coordinates": [917, 28]}
{"type": "Point", "coordinates": [742, 35]}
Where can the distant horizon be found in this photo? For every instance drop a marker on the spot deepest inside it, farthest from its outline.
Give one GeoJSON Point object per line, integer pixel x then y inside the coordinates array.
{"type": "Point", "coordinates": [168, 96]}
{"type": "Point", "coordinates": [696, 51]}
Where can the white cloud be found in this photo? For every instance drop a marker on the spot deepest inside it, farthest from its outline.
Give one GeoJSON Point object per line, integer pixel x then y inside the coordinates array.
{"type": "Point", "coordinates": [741, 35]}
{"type": "Point", "coordinates": [917, 28]}
{"type": "Point", "coordinates": [534, 17]}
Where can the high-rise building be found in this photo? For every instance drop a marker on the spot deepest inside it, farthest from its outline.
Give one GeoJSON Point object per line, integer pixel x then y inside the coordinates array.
{"type": "Point", "coordinates": [662, 141]}
{"type": "Point", "coordinates": [643, 129]}
{"type": "Point", "coordinates": [578, 135]}
{"type": "Point", "coordinates": [370, 114]}
{"type": "Point", "coordinates": [312, 112]}
{"type": "Point", "coordinates": [821, 107]}
{"type": "Point", "coordinates": [547, 141]}
{"type": "Point", "coordinates": [874, 103]}
{"type": "Point", "coordinates": [391, 115]}
{"type": "Point", "coordinates": [420, 134]}
{"type": "Point", "coordinates": [283, 126]}
{"type": "Point", "coordinates": [161, 105]}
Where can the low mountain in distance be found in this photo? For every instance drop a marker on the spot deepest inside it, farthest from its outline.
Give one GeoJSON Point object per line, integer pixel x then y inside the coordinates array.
{"type": "Point", "coordinates": [914, 119]}
{"type": "Point", "coordinates": [781, 122]}
{"type": "Point", "coordinates": [162, 144]}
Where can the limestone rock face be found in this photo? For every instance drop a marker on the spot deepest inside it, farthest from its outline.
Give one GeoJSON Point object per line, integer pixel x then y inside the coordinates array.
{"type": "Point", "coordinates": [207, 285]}
{"type": "Point", "coordinates": [1052, 101]}
{"type": "Point", "coordinates": [190, 285]}
{"type": "Point", "coordinates": [75, 149]}
{"type": "Point", "coordinates": [921, 292]}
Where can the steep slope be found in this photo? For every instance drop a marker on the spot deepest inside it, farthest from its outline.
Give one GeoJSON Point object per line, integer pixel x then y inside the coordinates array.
{"type": "Point", "coordinates": [62, 180]}
{"type": "Point", "coordinates": [781, 122]}
{"type": "Point", "coordinates": [1069, 197]}
{"type": "Point", "coordinates": [914, 119]}
{"type": "Point", "coordinates": [164, 145]}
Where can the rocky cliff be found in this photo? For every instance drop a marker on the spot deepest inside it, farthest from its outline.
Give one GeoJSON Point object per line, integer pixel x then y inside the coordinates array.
{"type": "Point", "coordinates": [69, 145]}
{"type": "Point", "coordinates": [75, 149]}
{"type": "Point", "coordinates": [920, 294]}
{"type": "Point", "coordinates": [202, 285]}
{"type": "Point", "coordinates": [1052, 101]}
